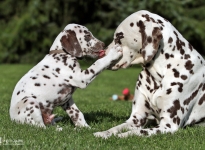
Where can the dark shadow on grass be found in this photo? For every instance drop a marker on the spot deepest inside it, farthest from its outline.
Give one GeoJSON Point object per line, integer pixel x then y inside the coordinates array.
{"type": "Point", "coordinates": [100, 116]}
{"type": "Point", "coordinates": [97, 117]}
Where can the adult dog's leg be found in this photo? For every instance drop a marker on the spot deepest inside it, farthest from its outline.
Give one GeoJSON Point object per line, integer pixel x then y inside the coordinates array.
{"type": "Point", "coordinates": [163, 127]}
{"type": "Point", "coordinates": [137, 118]}
{"type": "Point", "coordinates": [167, 110]}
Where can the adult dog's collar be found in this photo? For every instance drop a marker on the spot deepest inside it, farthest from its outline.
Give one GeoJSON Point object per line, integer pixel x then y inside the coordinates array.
{"type": "Point", "coordinates": [57, 52]}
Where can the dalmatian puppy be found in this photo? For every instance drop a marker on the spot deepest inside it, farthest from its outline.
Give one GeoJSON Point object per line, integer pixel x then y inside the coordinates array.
{"type": "Point", "coordinates": [171, 86]}
{"type": "Point", "coordinates": [53, 80]}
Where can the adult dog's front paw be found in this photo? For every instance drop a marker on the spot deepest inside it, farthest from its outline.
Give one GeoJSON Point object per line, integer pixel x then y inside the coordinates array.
{"type": "Point", "coordinates": [104, 134]}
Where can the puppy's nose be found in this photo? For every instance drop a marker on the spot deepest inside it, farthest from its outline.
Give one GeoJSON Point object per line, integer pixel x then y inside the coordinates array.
{"type": "Point", "coordinates": [99, 45]}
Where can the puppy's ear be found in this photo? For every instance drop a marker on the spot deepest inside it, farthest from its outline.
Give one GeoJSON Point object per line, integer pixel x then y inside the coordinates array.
{"type": "Point", "coordinates": [151, 37]}
{"type": "Point", "coordinates": [70, 44]}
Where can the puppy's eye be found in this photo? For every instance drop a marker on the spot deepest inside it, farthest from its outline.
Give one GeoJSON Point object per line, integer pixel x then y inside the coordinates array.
{"type": "Point", "coordinates": [88, 37]}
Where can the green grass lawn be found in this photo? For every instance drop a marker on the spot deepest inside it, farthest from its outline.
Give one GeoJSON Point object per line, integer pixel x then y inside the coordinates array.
{"type": "Point", "coordinates": [100, 113]}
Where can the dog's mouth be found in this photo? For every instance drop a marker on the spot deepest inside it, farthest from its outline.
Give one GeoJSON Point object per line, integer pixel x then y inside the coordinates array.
{"type": "Point", "coordinates": [101, 53]}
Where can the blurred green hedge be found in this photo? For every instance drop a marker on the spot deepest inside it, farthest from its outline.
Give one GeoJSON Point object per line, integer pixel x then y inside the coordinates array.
{"type": "Point", "coordinates": [28, 28]}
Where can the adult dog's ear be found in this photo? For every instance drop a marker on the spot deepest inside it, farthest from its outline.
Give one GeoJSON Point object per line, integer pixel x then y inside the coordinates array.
{"type": "Point", "coordinates": [151, 37]}
{"type": "Point", "coordinates": [70, 44]}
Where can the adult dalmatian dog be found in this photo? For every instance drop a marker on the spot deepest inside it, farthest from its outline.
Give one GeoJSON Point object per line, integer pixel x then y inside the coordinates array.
{"type": "Point", "coordinates": [171, 86]}
{"type": "Point", "coordinates": [53, 80]}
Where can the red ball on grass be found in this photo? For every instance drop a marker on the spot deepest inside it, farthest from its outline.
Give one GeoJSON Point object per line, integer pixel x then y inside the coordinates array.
{"type": "Point", "coordinates": [126, 91]}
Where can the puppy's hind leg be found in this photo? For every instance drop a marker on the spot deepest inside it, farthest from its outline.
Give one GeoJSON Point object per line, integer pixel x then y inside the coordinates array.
{"type": "Point", "coordinates": [27, 111]}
